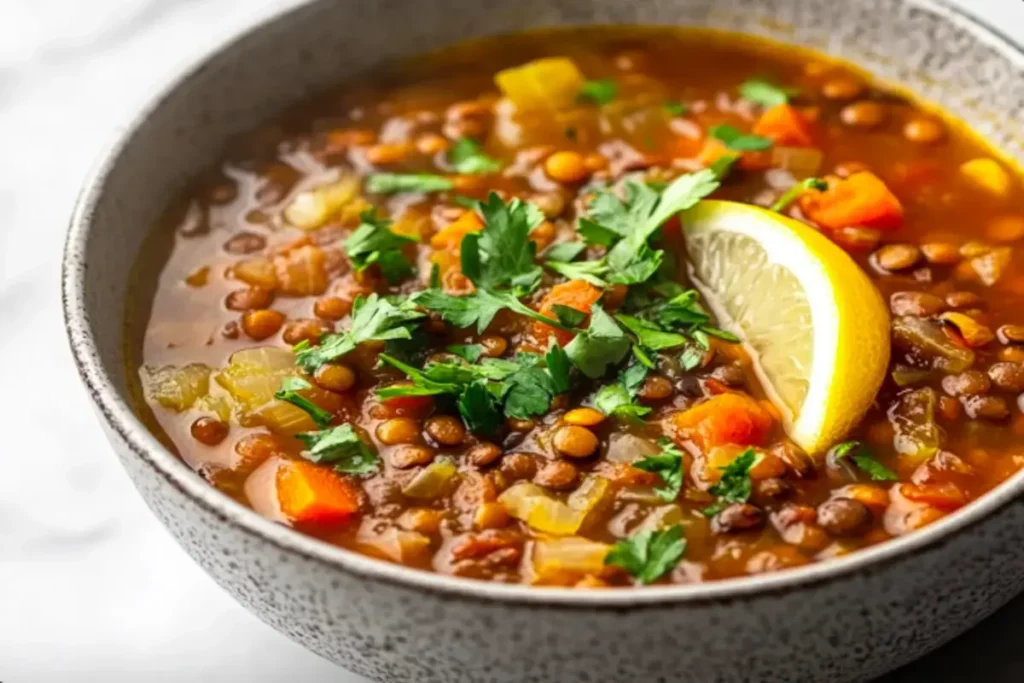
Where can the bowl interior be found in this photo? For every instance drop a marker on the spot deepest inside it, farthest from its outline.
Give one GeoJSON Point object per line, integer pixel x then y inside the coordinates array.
{"type": "Point", "coordinates": [924, 47]}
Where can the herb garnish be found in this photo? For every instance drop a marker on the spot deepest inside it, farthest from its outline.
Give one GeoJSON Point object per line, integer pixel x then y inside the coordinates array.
{"type": "Point", "coordinates": [469, 352]}
{"type": "Point", "coordinates": [649, 555]}
{"type": "Point", "coordinates": [602, 344]}
{"type": "Point", "coordinates": [599, 92]}
{"type": "Point", "coordinates": [393, 183]}
{"type": "Point", "coordinates": [373, 242]}
{"type": "Point", "coordinates": [288, 392]}
{"type": "Point", "coordinates": [734, 486]}
{"type": "Point", "coordinates": [739, 141]}
{"type": "Point", "coordinates": [466, 156]}
{"type": "Point", "coordinates": [764, 93]}
{"type": "Point", "coordinates": [675, 108]}
{"type": "Point", "coordinates": [373, 318]}
{"type": "Point", "coordinates": [668, 464]}
{"type": "Point", "coordinates": [794, 192]}
{"type": "Point", "coordinates": [341, 447]}
{"type": "Point", "coordinates": [861, 456]}
{"type": "Point", "coordinates": [618, 398]}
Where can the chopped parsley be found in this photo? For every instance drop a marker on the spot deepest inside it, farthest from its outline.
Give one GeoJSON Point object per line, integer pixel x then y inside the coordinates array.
{"type": "Point", "coordinates": [601, 345]}
{"type": "Point", "coordinates": [373, 242]}
{"type": "Point", "coordinates": [675, 108]}
{"type": "Point", "coordinates": [723, 165]}
{"type": "Point", "coordinates": [373, 318]}
{"type": "Point", "coordinates": [668, 464]}
{"type": "Point", "coordinates": [618, 398]}
{"type": "Point", "coordinates": [627, 226]}
{"type": "Point", "coordinates": [649, 555]}
{"type": "Point", "coordinates": [564, 251]}
{"type": "Point", "coordinates": [466, 156]}
{"type": "Point", "coordinates": [650, 335]}
{"type": "Point", "coordinates": [340, 446]}
{"type": "Point", "coordinates": [488, 392]}
{"type": "Point", "coordinates": [502, 253]}
{"type": "Point", "coordinates": [739, 141]}
{"type": "Point", "coordinates": [734, 486]}
{"type": "Point", "coordinates": [394, 183]}
{"type": "Point", "coordinates": [861, 456]}
{"type": "Point", "coordinates": [289, 393]}
{"type": "Point", "coordinates": [479, 308]}
{"type": "Point", "coordinates": [764, 93]}
{"type": "Point", "coordinates": [793, 193]}
{"type": "Point", "coordinates": [569, 316]}
{"type": "Point", "coordinates": [469, 352]}
{"type": "Point", "coordinates": [599, 92]}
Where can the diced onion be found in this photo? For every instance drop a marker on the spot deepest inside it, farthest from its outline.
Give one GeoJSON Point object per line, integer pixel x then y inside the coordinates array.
{"type": "Point", "coordinates": [177, 388]}
{"type": "Point", "coordinates": [549, 83]}
{"type": "Point", "coordinates": [312, 209]}
{"type": "Point", "coordinates": [432, 480]}
{"type": "Point", "coordinates": [542, 512]}
{"type": "Point", "coordinates": [915, 432]}
{"type": "Point", "coordinates": [252, 376]}
{"type": "Point", "coordinates": [554, 558]}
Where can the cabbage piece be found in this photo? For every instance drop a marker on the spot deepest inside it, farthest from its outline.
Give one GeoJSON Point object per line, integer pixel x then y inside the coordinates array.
{"type": "Point", "coordinates": [555, 558]}
{"type": "Point", "coordinates": [177, 388]}
{"type": "Point", "coordinates": [432, 480]}
{"type": "Point", "coordinates": [924, 338]}
{"type": "Point", "coordinates": [915, 432]}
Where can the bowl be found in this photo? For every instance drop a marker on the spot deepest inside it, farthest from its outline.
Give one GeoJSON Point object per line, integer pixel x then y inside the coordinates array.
{"type": "Point", "coordinates": [845, 619]}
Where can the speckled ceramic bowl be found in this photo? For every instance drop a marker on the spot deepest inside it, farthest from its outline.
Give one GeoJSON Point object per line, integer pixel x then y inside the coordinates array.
{"type": "Point", "coordinates": [843, 620]}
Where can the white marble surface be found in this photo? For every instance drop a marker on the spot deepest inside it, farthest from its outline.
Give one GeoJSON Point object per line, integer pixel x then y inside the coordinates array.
{"type": "Point", "coordinates": [91, 588]}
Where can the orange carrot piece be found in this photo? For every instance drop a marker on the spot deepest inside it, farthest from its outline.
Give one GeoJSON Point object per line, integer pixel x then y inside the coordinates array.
{"type": "Point", "coordinates": [946, 496]}
{"type": "Point", "coordinates": [861, 200]}
{"type": "Point", "coordinates": [309, 493]}
{"type": "Point", "coordinates": [785, 125]}
{"type": "Point", "coordinates": [578, 294]}
{"type": "Point", "coordinates": [450, 237]}
{"type": "Point", "coordinates": [404, 406]}
{"type": "Point", "coordinates": [725, 419]}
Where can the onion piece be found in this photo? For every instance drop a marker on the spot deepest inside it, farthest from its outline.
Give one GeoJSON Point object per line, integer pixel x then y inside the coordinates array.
{"type": "Point", "coordinates": [177, 388]}
{"type": "Point", "coordinates": [915, 432]}
{"type": "Point", "coordinates": [562, 559]}
{"type": "Point", "coordinates": [432, 480]}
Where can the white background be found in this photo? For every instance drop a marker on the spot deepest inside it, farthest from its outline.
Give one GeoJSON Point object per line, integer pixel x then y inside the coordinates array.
{"type": "Point", "coordinates": [91, 587]}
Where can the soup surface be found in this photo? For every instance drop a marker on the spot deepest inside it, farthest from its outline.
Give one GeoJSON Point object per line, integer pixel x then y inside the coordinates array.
{"type": "Point", "coordinates": [443, 316]}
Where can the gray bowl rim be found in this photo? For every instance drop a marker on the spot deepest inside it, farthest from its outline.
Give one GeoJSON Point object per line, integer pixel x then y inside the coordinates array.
{"type": "Point", "coordinates": [120, 417]}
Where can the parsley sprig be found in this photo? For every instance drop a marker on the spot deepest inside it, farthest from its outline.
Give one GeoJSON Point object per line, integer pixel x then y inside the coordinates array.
{"type": "Point", "coordinates": [373, 242]}
{"type": "Point", "coordinates": [340, 447]}
{"type": "Point", "coordinates": [668, 464]}
{"type": "Point", "coordinates": [290, 387]}
{"type": "Point", "coordinates": [793, 193]}
{"type": "Point", "coordinates": [649, 555]}
{"type": "Point", "coordinates": [618, 399]}
{"type": "Point", "coordinates": [373, 318]}
{"type": "Point", "coordinates": [861, 455]}
{"type": "Point", "coordinates": [395, 183]}
{"type": "Point", "coordinates": [738, 141]}
{"type": "Point", "coordinates": [765, 93]}
{"type": "Point", "coordinates": [466, 156]}
{"type": "Point", "coordinates": [734, 486]}
{"type": "Point", "coordinates": [599, 92]}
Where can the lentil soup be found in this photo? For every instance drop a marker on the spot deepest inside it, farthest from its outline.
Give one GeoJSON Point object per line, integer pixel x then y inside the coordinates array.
{"type": "Point", "coordinates": [442, 315]}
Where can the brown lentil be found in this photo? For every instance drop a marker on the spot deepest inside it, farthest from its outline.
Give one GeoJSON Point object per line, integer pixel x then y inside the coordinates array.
{"type": "Point", "coordinates": [963, 300]}
{"type": "Point", "coordinates": [334, 377]}
{"type": "Point", "coordinates": [248, 299]}
{"type": "Point", "coordinates": [332, 307]}
{"type": "Point", "coordinates": [923, 130]}
{"type": "Point", "coordinates": [1007, 376]}
{"type": "Point", "coordinates": [445, 430]}
{"type": "Point", "coordinates": [304, 329]}
{"type": "Point", "coordinates": [575, 442]}
{"type": "Point", "coordinates": [985, 407]}
{"type": "Point", "coordinates": [516, 466]}
{"type": "Point", "coordinates": [493, 345]}
{"type": "Point", "coordinates": [864, 114]}
{"type": "Point", "coordinates": [655, 388]}
{"type": "Point", "coordinates": [941, 253]}
{"type": "Point", "coordinates": [738, 517]}
{"type": "Point", "coordinates": [844, 517]}
{"type": "Point", "coordinates": [398, 430]}
{"type": "Point", "coordinates": [484, 454]}
{"type": "Point", "coordinates": [893, 257]}
{"type": "Point", "coordinates": [245, 243]}
{"type": "Point", "coordinates": [566, 167]}
{"type": "Point", "coordinates": [209, 431]}
{"type": "Point", "coordinates": [842, 88]}
{"type": "Point", "coordinates": [1011, 334]}
{"type": "Point", "coordinates": [967, 383]}
{"type": "Point", "coordinates": [556, 474]}
{"type": "Point", "coordinates": [916, 303]}
{"type": "Point", "coordinates": [583, 417]}
{"type": "Point", "coordinates": [262, 323]}
{"type": "Point", "coordinates": [405, 457]}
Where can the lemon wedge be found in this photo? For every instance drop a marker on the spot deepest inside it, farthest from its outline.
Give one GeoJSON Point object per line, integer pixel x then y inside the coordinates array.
{"type": "Point", "coordinates": [813, 323]}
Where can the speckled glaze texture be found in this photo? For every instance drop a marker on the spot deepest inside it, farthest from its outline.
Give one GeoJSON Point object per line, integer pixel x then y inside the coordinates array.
{"type": "Point", "coordinates": [845, 620]}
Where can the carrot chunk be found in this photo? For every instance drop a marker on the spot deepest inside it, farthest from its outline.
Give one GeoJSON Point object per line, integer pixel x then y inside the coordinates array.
{"type": "Point", "coordinates": [450, 237]}
{"type": "Point", "coordinates": [785, 125]}
{"type": "Point", "coordinates": [309, 493]}
{"type": "Point", "coordinates": [945, 496]}
{"type": "Point", "coordinates": [859, 200]}
{"type": "Point", "coordinates": [578, 294]}
{"type": "Point", "coordinates": [725, 419]}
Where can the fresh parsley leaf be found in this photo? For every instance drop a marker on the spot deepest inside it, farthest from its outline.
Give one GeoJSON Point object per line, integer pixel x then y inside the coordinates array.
{"type": "Point", "coordinates": [794, 192]}
{"type": "Point", "coordinates": [288, 393]}
{"type": "Point", "coordinates": [675, 108]}
{"type": "Point", "coordinates": [558, 366]}
{"type": "Point", "coordinates": [650, 335]}
{"type": "Point", "coordinates": [668, 464]}
{"type": "Point", "coordinates": [633, 222]}
{"type": "Point", "coordinates": [394, 183]}
{"type": "Point", "coordinates": [734, 486]}
{"type": "Point", "coordinates": [692, 356]}
{"type": "Point", "coordinates": [374, 242]}
{"type": "Point", "coordinates": [564, 251]}
{"type": "Point", "coordinates": [618, 398]}
{"type": "Point", "coordinates": [599, 92]}
{"type": "Point", "coordinates": [435, 276]}
{"type": "Point", "coordinates": [502, 253]}
{"type": "Point", "coordinates": [479, 308]}
{"type": "Point", "coordinates": [467, 202]}
{"type": "Point", "coordinates": [602, 344]}
{"type": "Point", "coordinates": [528, 392]}
{"type": "Point", "coordinates": [373, 318]}
{"type": "Point", "coordinates": [435, 379]}
{"type": "Point", "coordinates": [860, 453]}
{"type": "Point", "coordinates": [739, 141]}
{"type": "Point", "coordinates": [470, 352]}
{"type": "Point", "coordinates": [764, 93]}
{"type": "Point", "coordinates": [723, 165]}
{"type": "Point", "coordinates": [341, 447]}
{"type": "Point", "coordinates": [590, 271]}
{"type": "Point", "coordinates": [569, 316]}
{"type": "Point", "coordinates": [466, 156]}
{"type": "Point", "coordinates": [480, 409]}
{"type": "Point", "coordinates": [649, 555]}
